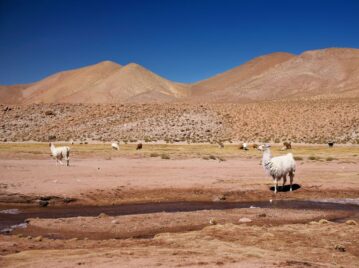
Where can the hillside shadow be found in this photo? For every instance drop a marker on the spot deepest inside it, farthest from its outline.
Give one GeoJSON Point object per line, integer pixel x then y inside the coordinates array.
{"type": "Point", "coordinates": [286, 188]}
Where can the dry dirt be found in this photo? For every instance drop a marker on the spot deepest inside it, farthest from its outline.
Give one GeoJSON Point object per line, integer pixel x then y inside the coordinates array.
{"type": "Point", "coordinates": [270, 238]}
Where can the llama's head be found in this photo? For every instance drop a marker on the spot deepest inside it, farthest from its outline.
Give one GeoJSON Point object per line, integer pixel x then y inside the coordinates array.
{"type": "Point", "coordinates": [263, 147]}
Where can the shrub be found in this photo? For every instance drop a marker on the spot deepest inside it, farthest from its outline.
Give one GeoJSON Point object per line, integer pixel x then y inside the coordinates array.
{"type": "Point", "coordinates": [212, 157]}
{"type": "Point", "coordinates": [312, 157]}
{"type": "Point", "coordinates": [154, 155]}
{"type": "Point", "coordinates": [298, 158]}
{"type": "Point", "coordinates": [205, 158]}
{"type": "Point", "coordinates": [49, 112]}
{"type": "Point", "coordinates": [221, 159]}
{"type": "Point", "coordinates": [329, 158]}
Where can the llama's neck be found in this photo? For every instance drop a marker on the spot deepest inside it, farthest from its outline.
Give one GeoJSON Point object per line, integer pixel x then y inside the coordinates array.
{"type": "Point", "coordinates": [267, 155]}
{"type": "Point", "coordinates": [53, 149]}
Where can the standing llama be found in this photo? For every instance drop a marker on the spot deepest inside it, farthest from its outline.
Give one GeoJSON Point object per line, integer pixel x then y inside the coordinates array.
{"type": "Point", "coordinates": [278, 167]}
{"type": "Point", "coordinates": [59, 153]}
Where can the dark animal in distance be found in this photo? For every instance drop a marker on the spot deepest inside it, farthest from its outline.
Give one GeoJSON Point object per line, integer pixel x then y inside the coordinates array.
{"type": "Point", "coordinates": [139, 146]}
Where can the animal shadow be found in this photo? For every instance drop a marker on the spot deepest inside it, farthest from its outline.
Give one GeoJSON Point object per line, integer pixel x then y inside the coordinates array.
{"type": "Point", "coordinates": [286, 188]}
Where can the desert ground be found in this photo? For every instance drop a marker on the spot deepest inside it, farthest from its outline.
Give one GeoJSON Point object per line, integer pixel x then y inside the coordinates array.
{"type": "Point", "coordinates": [182, 200]}
{"type": "Point", "coordinates": [177, 205]}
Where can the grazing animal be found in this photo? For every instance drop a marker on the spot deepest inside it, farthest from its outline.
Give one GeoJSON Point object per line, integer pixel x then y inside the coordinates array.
{"type": "Point", "coordinates": [287, 145]}
{"type": "Point", "coordinates": [115, 146]}
{"type": "Point", "coordinates": [278, 167]}
{"type": "Point", "coordinates": [60, 153]}
{"type": "Point", "coordinates": [139, 146]}
{"type": "Point", "coordinates": [243, 146]}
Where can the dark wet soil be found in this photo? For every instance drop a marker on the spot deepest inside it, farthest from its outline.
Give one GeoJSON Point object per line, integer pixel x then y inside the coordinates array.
{"type": "Point", "coordinates": [12, 216]}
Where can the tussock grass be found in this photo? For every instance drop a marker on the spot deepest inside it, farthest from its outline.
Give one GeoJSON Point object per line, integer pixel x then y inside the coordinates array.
{"type": "Point", "coordinates": [181, 151]}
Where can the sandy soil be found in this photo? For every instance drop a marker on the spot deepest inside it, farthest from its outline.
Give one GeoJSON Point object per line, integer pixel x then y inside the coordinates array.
{"type": "Point", "coordinates": [123, 180]}
{"type": "Point", "coordinates": [272, 237]}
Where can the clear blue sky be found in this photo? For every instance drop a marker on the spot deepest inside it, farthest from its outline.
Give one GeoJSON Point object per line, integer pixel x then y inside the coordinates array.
{"type": "Point", "coordinates": [184, 40]}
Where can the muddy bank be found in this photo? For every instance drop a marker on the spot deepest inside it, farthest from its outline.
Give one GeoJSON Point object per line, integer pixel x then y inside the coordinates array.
{"type": "Point", "coordinates": [66, 221]}
{"type": "Point", "coordinates": [227, 245]}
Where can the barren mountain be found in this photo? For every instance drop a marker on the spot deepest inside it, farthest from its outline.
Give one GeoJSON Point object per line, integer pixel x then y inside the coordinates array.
{"type": "Point", "coordinates": [327, 73]}
{"type": "Point", "coordinates": [233, 79]}
{"type": "Point", "coordinates": [128, 84]}
{"type": "Point", "coordinates": [319, 73]}
{"type": "Point", "coordinates": [105, 82]}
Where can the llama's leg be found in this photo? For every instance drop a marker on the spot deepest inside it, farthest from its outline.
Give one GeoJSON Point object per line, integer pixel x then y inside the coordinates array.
{"type": "Point", "coordinates": [275, 185]}
{"type": "Point", "coordinates": [291, 177]}
{"type": "Point", "coordinates": [284, 181]}
{"type": "Point", "coordinates": [68, 158]}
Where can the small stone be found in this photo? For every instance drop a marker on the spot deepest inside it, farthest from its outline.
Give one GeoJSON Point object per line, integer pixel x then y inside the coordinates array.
{"type": "Point", "coordinates": [313, 223]}
{"type": "Point", "coordinates": [219, 198]}
{"type": "Point", "coordinates": [323, 221]}
{"type": "Point", "coordinates": [43, 203]}
{"type": "Point", "coordinates": [115, 222]}
{"type": "Point", "coordinates": [351, 222]}
{"type": "Point", "coordinates": [29, 237]}
{"type": "Point", "coordinates": [244, 220]}
{"type": "Point", "coordinates": [340, 248]}
{"type": "Point", "coordinates": [38, 238]}
{"type": "Point", "coordinates": [102, 215]}
{"type": "Point", "coordinates": [73, 239]}
{"type": "Point", "coordinates": [69, 199]}
{"type": "Point", "coordinates": [212, 222]}
{"type": "Point", "coordinates": [262, 215]}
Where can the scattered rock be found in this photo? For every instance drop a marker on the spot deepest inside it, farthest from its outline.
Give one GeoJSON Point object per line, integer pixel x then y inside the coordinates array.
{"type": "Point", "coordinates": [69, 200]}
{"type": "Point", "coordinates": [115, 222]}
{"type": "Point", "coordinates": [73, 239]}
{"type": "Point", "coordinates": [244, 220]}
{"type": "Point", "coordinates": [219, 198]}
{"type": "Point", "coordinates": [323, 221]}
{"type": "Point", "coordinates": [38, 238]}
{"type": "Point", "coordinates": [7, 108]}
{"type": "Point", "coordinates": [351, 222]}
{"type": "Point", "coordinates": [43, 203]}
{"type": "Point", "coordinates": [313, 223]}
{"type": "Point", "coordinates": [262, 215]}
{"type": "Point", "coordinates": [102, 215]}
{"type": "Point", "coordinates": [340, 248]}
{"type": "Point", "coordinates": [212, 222]}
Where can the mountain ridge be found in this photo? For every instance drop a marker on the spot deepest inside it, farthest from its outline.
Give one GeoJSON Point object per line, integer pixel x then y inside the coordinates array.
{"type": "Point", "coordinates": [324, 73]}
